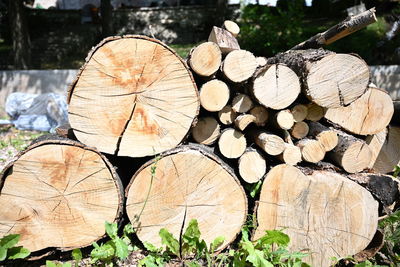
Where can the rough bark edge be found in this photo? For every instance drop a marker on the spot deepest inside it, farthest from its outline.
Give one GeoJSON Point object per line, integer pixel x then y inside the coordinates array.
{"type": "Point", "coordinates": [56, 140]}
{"type": "Point", "coordinates": [207, 152]}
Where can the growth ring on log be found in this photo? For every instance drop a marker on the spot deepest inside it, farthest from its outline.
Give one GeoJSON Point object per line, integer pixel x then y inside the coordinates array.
{"type": "Point", "coordinates": [59, 194]}
{"type": "Point", "coordinates": [133, 97]}
{"type": "Point", "coordinates": [189, 183]}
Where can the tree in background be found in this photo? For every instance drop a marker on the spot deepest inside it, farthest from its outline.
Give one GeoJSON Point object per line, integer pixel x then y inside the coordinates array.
{"type": "Point", "coordinates": [284, 4]}
{"type": "Point", "coordinates": [19, 34]}
{"type": "Point", "coordinates": [106, 18]}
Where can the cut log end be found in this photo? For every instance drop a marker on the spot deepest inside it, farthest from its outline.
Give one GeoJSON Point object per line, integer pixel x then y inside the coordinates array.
{"type": "Point", "coordinates": [205, 59]}
{"type": "Point", "coordinates": [214, 95]}
{"type": "Point", "coordinates": [232, 143]}
{"type": "Point", "coordinates": [311, 150]}
{"type": "Point", "coordinates": [231, 27]}
{"type": "Point", "coordinates": [239, 65]}
{"type": "Point", "coordinates": [242, 121]}
{"type": "Point", "coordinates": [299, 130]}
{"type": "Point", "coordinates": [226, 115]}
{"type": "Point", "coordinates": [241, 103]}
{"type": "Point", "coordinates": [314, 112]}
{"type": "Point", "coordinates": [261, 115]}
{"type": "Point", "coordinates": [270, 143]}
{"type": "Point", "coordinates": [206, 131]}
{"type": "Point", "coordinates": [224, 39]}
{"type": "Point", "coordinates": [252, 166]}
{"type": "Point", "coordinates": [299, 112]}
{"type": "Point", "coordinates": [291, 155]}
{"type": "Point", "coordinates": [284, 119]}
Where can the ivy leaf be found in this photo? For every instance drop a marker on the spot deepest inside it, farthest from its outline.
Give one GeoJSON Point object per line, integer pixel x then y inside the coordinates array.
{"type": "Point", "coordinates": [18, 253]}
{"type": "Point", "coordinates": [217, 243]}
{"type": "Point", "coordinates": [3, 254]}
{"type": "Point", "coordinates": [112, 230]}
{"type": "Point", "coordinates": [9, 241]}
{"type": "Point", "coordinates": [168, 239]}
{"type": "Point", "coordinates": [121, 249]}
{"type": "Point", "coordinates": [77, 254]}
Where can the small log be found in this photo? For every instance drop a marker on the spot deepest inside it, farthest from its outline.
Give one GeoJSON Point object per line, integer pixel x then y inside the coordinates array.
{"type": "Point", "coordinates": [329, 79]}
{"type": "Point", "coordinates": [57, 194]}
{"type": "Point", "coordinates": [205, 59]}
{"type": "Point", "coordinates": [311, 150]}
{"type": "Point", "coordinates": [242, 121]}
{"type": "Point", "coordinates": [327, 137]}
{"type": "Point", "coordinates": [261, 62]}
{"type": "Point", "coordinates": [270, 143]}
{"type": "Point", "coordinates": [340, 30]}
{"type": "Point", "coordinates": [283, 119]}
{"type": "Point", "coordinates": [214, 95]}
{"type": "Point", "coordinates": [206, 131]}
{"type": "Point", "coordinates": [323, 213]}
{"type": "Point", "coordinates": [352, 154]}
{"type": "Point", "coordinates": [299, 130]}
{"type": "Point", "coordinates": [231, 27]}
{"type": "Point", "coordinates": [385, 149]}
{"type": "Point", "coordinates": [369, 114]}
{"type": "Point", "coordinates": [241, 103]}
{"type": "Point", "coordinates": [232, 143]}
{"type": "Point", "coordinates": [261, 115]}
{"type": "Point", "coordinates": [239, 65]}
{"type": "Point", "coordinates": [226, 115]}
{"type": "Point", "coordinates": [252, 166]}
{"type": "Point", "coordinates": [299, 112]}
{"type": "Point", "coordinates": [291, 155]}
{"type": "Point", "coordinates": [314, 112]}
{"type": "Point", "coordinates": [275, 86]}
{"type": "Point", "coordinates": [188, 183]}
{"type": "Point", "coordinates": [224, 39]}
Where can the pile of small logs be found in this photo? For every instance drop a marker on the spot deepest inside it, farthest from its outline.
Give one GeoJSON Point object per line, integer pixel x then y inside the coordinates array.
{"type": "Point", "coordinates": [307, 124]}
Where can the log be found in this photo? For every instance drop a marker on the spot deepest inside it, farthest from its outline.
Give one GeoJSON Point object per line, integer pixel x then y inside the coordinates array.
{"type": "Point", "coordinates": [270, 143]}
{"type": "Point", "coordinates": [385, 149]}
{"type": "Point", "coordinates": [232, 143]}
{"type": "Point", "coordinates": [311, 150]}
{"type": "Point", "coordinates": [340, 30]}
{"type": "Point", "coordinates": [188, 183]}
{"type": "Point", "coordinates": [239, 65]}
{"type": "Point", "coordinates": [231, 27]}
{"type": "Point", "coordinates": [261, 115]}
{"type": "Point", "coordinates": [241, 103]}
{"type": "Point", "coordinates": [314, 112]}
{"type": "Point", "coordinates": [351, 153]}
{"type": "Point", "coordinates": [369, 114]}
{"type": "Point", "coordinates": [291, 155]}
{"type": "Point", "coordinates": [283, 119]}
{"type": "Point", "coordinates": [226, 115]}
{"type": "Point", "coordinates": [242, 121]}
{"type": "Point", "coordinates": [252, 166]}
{"type": "Point", "coordinates": [58, 193]}
{"type": "Point", "coordinates": [299, 130]}
{"type": "Point", "coordinates": [214, 95]}
{"type": "Point", "coordinates": [206, 131]}
{"type": "Point", "coordinates": [329, 79]}
{"type": "Point", "coordinates": [205, 59]}
{"type": "Point", "coordinates": [327, 137]}
{"type": "Point", "coordinates": [275, 86]}
{"type": "Point", "coordinates": [261, 62]}
{"type": "Point", "coordinates": [224, 39]}
{"type": "Point", "coordinates": [324, 213]}
{"type": "Point", "coordinates": [150, 106]}
{"type": "Point", "coordinates": [299, 112]}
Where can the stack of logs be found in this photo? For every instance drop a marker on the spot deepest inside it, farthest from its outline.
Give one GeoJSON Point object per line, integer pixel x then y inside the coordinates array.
{"type": "Point", "coordinates": [307, 124]}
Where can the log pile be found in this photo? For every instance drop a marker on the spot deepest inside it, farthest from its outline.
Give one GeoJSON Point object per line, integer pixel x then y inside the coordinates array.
{"type": "Point", "coordinates": [305, 123]}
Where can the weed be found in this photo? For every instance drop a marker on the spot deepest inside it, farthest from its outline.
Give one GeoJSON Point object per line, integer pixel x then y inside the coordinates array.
{"type": "Point", "coordinates": [9, 250]}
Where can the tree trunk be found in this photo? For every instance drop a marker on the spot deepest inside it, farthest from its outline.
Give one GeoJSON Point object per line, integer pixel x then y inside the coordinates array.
{"type": "Point", "coordinates": [20, 35]}
{"type": "Point", "coordinates": [58, 193]}
{"type": "Point", "coordinates": [188, 183]}
{"type": "Point", "coordinates": [115, 107]}
{"type": "Point", "coordinates": [106, 10]}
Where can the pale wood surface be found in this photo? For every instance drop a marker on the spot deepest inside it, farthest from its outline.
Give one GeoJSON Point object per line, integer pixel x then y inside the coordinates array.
{"type": "Point", "coordinates": [242, 121]}
{"type": "Point", "coordinates": [270, 143]}
{"type": "Point", "coordinates": [226, 115]}
{"type": "Point", "coordinates": [327, 137]}
{"type": "Point", "coordinates": [283, 119]}
{"type": "Point", "coordinates": [239, 65]}
{"type": "Point", "coordinates": [291, 155]}
{"type": "Point", "coordinates": [224, 39]}
{"type": "Point", "coordinates": [299, 112]}
{"type": "Point", "coordinates": [232, 143]}
{"type": "Point", "coordinates": [231, 27]}
{"type": "Point", "coordinates": [252, 166]}
{"type": "Point", "coordinates": [206, 131]}
{"type": "Point", "coordinates": [214, 95]}
{"type": "Point", "coordinates": [241, 103]}
{"type": "Point", "coordinates": [324, 213]}
{"type": "Point", "coordinates": [205, 59]}
{"type": "Point", "coordinates": [311, 150]}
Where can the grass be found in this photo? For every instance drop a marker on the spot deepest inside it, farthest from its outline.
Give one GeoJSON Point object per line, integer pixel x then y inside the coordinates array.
{"type": "Point", "coordinates": [182, 49]}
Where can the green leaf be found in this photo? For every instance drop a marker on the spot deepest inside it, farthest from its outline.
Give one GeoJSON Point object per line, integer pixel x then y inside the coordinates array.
{"type": "Point", "coordinates": [168, 239]}
{"type": "Point", "coordinates": [103, 252]}
{"type": "Point", "coordinates": [150, 261]}
{"type": "Point", "coordinates": [18, 253]}
{"type": "Point", "coordinates": [112, 230]}
{"type": "Point", "coordinates": [258, 260]}
{"type": "Point", "coordinates": [77, 254]}
{"type": "Point", "coordinates": [9, 241]}
{"type": "Point", "coordinates": [192, 264]}
{"type": "Point", "coordinates": [274, 236]}
{"type": "Point", "coordinates": [150, 247]}
{"type": "Point", "coordinates": [255, 189]}
{"type": "Point", "coordinates": [121, 249]}
{"type": "Point", "coordinates": [3, 254]}
{"type": "Point", "coordinates": [51, 264]}
{"type": "Point", "coordinates": [192, 231]}
{"type": "Point", "coordinates": [217, 243]}
{"type": "Point", "coordinates": [128, 229]}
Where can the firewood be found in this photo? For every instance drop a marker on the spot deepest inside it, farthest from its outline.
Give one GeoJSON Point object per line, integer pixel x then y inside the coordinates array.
{"type": "Point", "coordinates": [231, 27]}
{"type": "Point", "coordinates": [299, 130]}
{"type": "Point", "coordinates": [214, 95]}
{"type": "Point", "coordinates": [299, 112]}
{"type": "Point", "coordinates": [232, 143]}
{"type": "Point", "coordinates": [261, 115]}
{"type": "Point", "coordinates": [239, 65]}
{"type": "Point", "coordinates": [252, 166]}
{"type": "Point", "coordinates": [314, 112]}
{"type": "Point", "coordinates": [58, 193]}
{"type": "Point", "coordinates": [327, 137]}
{"type": "Point", "coordinates": [351, 153]}
{"type": "Point", "coordinates": [206, 131]}
{"type": "Point", "coordinates": [226, 115]}
{"type": "Point", "coordinates": [311, 150]}
{"type": "Point", "coordinates": [261, 61]}
{"type": "Point", "coordinates": [188, 183]}
{"type": "Point", "coordinates": [385, 149]}
{"type": "Point", "coordinates": [270, 143]}
{"type": "Point", "coordinates": [323, 213]}
{"type": "Point", "coordinates": [369, 114]}
{"type": "Point", "coordinates": [276, 86]}
{"type": "Point", "coordinates": [283, 119]}
{"type": "Point", "coordinates": [224, 39]}
{"type": "Point", "coordinates": [329, 79]}
{"type": "Point", "coordinates": [133, 97]}
{"type": "Point", "coordinates": [205, 59]}
{"type": "Point", "coordinates": [242, 121]}
{"type": "Point", "coordinates": [291, 155]}
{"type": "Point", "coordinates": [241, 103]}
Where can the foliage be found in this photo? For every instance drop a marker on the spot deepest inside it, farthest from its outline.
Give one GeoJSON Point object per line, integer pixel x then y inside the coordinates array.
{"type": "Point", "coordinates": [391, 229]}
{"type": "Point", "coordinates": [9, 250]}
{"type": "Point", "coordinates": [57, 264]}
